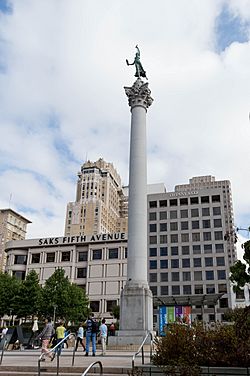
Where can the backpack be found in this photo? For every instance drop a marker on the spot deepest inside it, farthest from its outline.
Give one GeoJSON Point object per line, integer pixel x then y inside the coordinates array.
{"type": "Point", "coordinates": [95, 327]}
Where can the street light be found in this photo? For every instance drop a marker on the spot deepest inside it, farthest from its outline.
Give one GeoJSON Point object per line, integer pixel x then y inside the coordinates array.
{"type": "Point", "coordinates": [10, 316]}
{"type": "Point", "coordinates": [54, 315]}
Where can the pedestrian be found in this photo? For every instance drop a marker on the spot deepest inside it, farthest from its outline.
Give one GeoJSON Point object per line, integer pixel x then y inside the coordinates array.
{"type": "Point", "coordinates": [45, 336]}
{"type": "Point", "coordinates": [91, 331]}
{"type": "Point", "coordinates": [4, 331]}
{"type": "Point", "coordinates": [112, 329]}
{"type": "Point", "coordinates": [80, 335]}
{"type": "Point", "coordinates": [60, 331]}
{"type": "Point", "coordinates": [103, 333]}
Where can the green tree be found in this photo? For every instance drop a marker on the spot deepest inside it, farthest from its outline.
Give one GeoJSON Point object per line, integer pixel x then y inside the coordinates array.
{"type": "Point", "coordinates": [116, 311]}
{"type": "Point", "coordinates": [29, 298]}
{"type": "Point", "coordinates": [240, 272]}
{"type": "Point", "coordinates": [77, 306]}
{"type": "Point", "coordinates": [9, 290]}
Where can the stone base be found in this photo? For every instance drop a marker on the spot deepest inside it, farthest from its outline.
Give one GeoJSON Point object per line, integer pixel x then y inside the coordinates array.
{"type": "Point", "coordinates": [127, 338]}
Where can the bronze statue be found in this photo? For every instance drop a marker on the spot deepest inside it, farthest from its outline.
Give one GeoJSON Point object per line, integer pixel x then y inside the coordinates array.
{"type": "Point", "coordinates": [140, 72]}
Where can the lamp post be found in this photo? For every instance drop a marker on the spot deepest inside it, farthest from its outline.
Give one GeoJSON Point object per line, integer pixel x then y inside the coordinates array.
{"type": "Point", "coordinates": [10, 316]}
{"type": "Point", "coordinates": [54, 315]}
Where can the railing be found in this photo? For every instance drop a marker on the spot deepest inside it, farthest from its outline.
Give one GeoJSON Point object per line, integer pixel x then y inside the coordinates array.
{"type": "Point", "coordinates": [52, 351]}
{"type": "Point", "coordinates": [4, 339]}
{"type": "Point", "coordinates": [91, 366]}
{"type": "Point", "coordinates": [141, 349]}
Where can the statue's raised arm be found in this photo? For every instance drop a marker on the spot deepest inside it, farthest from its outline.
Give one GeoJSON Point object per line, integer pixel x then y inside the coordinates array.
{"type": "Point", "coordinates": [140, 72]}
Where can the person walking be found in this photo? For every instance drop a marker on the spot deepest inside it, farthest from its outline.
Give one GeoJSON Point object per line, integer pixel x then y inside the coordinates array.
{"type": "Point", "coordinates": [112, 329]}
{"type": "Point", "coordinates": [80, 335]}
{"type": "Point", "coordinates": [60, 331]}
{"type": "Point", "coordinates": [45, 336]}
{"type": "Point", "coordinates": [91, 331]}
{"type": "Point", "coordinates": [103, 333]}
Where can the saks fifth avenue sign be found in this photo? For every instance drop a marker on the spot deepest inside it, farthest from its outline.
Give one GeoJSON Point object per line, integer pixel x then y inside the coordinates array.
{"type": "Point", "coordinates": [78, 239]}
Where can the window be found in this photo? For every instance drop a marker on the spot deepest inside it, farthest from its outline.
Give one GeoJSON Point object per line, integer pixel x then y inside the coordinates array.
{"type": "Point", "coordinates": [152, 252]}
{"type": "Point", "coordinates": [216, 210]}
{"type": "Point", "coordinates": [205, 212]}
{"type": "Point", "coordinates": [163, 251]}
{"type": "Point", "coordinates": [83, 256]}
{"type": "Point", "coordinates": [97, 254]}
{"type": "Point", "coordinates": [207, 248]}
{"type": "Point", "coordinates": [164, 290]}
{"type": "Point", "coordinates": [196, 237]}
{"type": "Point", "coordinates": [184, 213]}
{"type": "Point", "coordinates": [221, 274]}
{"type": "Point", "coordinates": [163, 203]}
{"type": "Point", "coordinates": [50, 257]}
{"type": "Point", "coordinates": [194, 200]}
{"type": "Point", "coordinates": [185, 249]}
{"type": "Point", "coordinates": [184, 225]}
{"type": "Point", "coordinates": [81, 272]}
{"type": "Point", "coordinates": [174, 226]}
{"type": "Point", "coordinates": [35, 258]}
{"type": "Point", "coordinates": [153, 264]}
{"type": "Point", "coordinates": [163, 264]}
{"type": "Point", "coordinates": [185, 238]}
{"type": "Point", "coordinates": [197, 262]}
{"type": "Point", "coordinates": [217, 223]}
{"type": "Point", "coordinates": [198, 289]}
{"type": "Point", "coordinates": [173, 214]}
{"type": "Point", "coordinates": [223, 302]}
{"type": "Point", "coordinates": [173, 202]}
{"type": "Point", "coordinates": [152, 216]}
{"type": "Point", "coordinates": [65, 256]}
{"type": "Point", "coordinates": [19, 275]}
{"type": "Point", "coordinates": [194, 213]}
{"type": "Point", "coordinates": [20, 259]}
{"type": "Point", "coordinates": [153, 204]}
{"type": "Point", "coordinates": [113, 253]}
{"type": "Point", "coordinates": [110, 305]}
{"type": "Point", "coordinates": [163, 215]}
{"type": "Point", "coordinates": [175, 263]}
{"type": "Point", "coordinates": [152, 277]}
{"type": "Point", "coordinates": [164, 277]}
{"type": "Point", "coordinates": [183, 201]}
{"type": "Point", "coordinates": [220, 261]}
{"type": "Point", "coordinates": [216, 198]}
{"type": "Point", "coordinates": [153, 240]}
{"type": "Point", "coordinates": [218, 235]}
{"type": "Point", "coordinates": [210, 289]}
{"type": "Point", "coordinates": [211, 317]}
{"type": "Point", "coordinates": [222, 288]}
{"type": "Point", "coordinates": [186, 290]}
{"type": "Point", "coordinates": [153, 289]}
{"type": "Point", "coordinates": [152, 227]}
{"type": "Point", "coordinates": [186, 263]}
{"type": "Point", "coordinates": [174, 238]}
{"type": "Point", "coordinates": [219, 248]}
{"type": "Point", "coordinates": [163, 226]}
{"type": "Point", "coordinates": [126, 253]}
{"type": "Point", "coordinates": [207, 236]}
{"type": "Point", "coordinates": [208, 261]}
{"type": "Point", "coordinates": [186, 276]}
{"type": "Point", "coordinates": [206, 223]}
{"type": "Point", "coordinates": [95, 305]}
{"type": "Point", "coordinates": [198, 276]}
{"type": "Point", "coordinates": [174, 251]}
{"type": "Point", "coordinates": [240, 295]}
{"type": "Point", "coordinates": [196, 249]}
{"type": "Point", "coordinates": [209, 275]}
{"type": "Point", "coordinates": [204, 199]}
{"type": "Point", "coordinates": [195, 225]}
{"type": "Point", "coordinates": [163, 239]}
{"type": "Point", "coordinates": [175, 276]}
{"type": "Point", "coordinates": [175, 290]}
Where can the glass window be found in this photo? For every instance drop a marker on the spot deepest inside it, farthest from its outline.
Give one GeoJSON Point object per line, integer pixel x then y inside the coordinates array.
{"type": "Point", "coordinates": [175, 263]}
{"type": "Point", "coordinates": [222, 288]}
{"type": "Point", "coordinates": [196, 237]}
{"type": "Point", "coordinates": [175, 290]}
{"type": "Point", "coordinates": [164, 290]}
{"type": "Point", "coordinates": [186, 276]}
{"type": "Point", "coordinates": [94, 305]}
{"type": "Point", "coordinates": [153, 204]}
{"type": "Point", "coordinates": [97, 254]}
{"type": "Point", "coordinates": [113, 253]}
{"type": "Point", "coordinates": [218, 235]}
{"type": "Point", "coordinates": [20, 260]}
{"type": "Point", "coordinates": [221, 274]}
{"type": "Point", "coordinates": [152, 216]}
{"type": "Point", "coordinates": [163, 226]}
{"type": "Point", "coordinates": [152, 264]}
{"type": "Point", "coordinates": [184, 213]}
{"type": "Point", "coordinates": [216, 210]}
{"type": "Point", "coordinates": [152, 227]}
{"type": "Point", "coordinates": [194, 213]}
{"type": "Point", "coordinates": [206, 223]}
{"type": "Point", "coordinates": [183, 201]}
{"type": "Point", "coordinates": [163, 203]}
{"type": "Point", "coordinates": [174, 238]}
{"type": "Point", "coordinates": [207, 236]}
{"type": "Point", "coordinates": [195, 225]}
{"type": "Point", "coordinates": [186, 290]}
{"type": "Point", "coordinates": [50, 257]}
{"type": "Point", "coordinates": [163, 264]}
{"type": "Point", "coordinates": [198, 289]}
{"type": "Point", "coordinates": [220, 261]}
{"type": "Point", "coordinates": [205, 212]}
{"type": "Point", "coordinates": [208, 261]}
{"type": "Point", "coordinates": [174, 251]}
{"type": "Point", "coordinates": [65, 256]}
{"type": "Point", "coordinates": [184, 225]}
{"type": "Point", "coordinates": [153, 240]}
{"type": "Point", "coordinates": [185, 249]}
{"type": "Point", "coordinates": [196, 249]}
{"type": "Point", "coordinates": [207, 248]}
{"type": "Point", "coordinates": [209, 274]}
{"type": "Point", "coordinates": [163, 239]}
{"type": "Point", "coordinates": [83, 256]}
{"type": "Point", "coordinates": [198, 276]}
{"type": "Point", "coordinates": [126, 253]}
{"type": "Point", "coordinates": [186, 263]}
{"type": "Point", "coordinates": [164, 277]}
{"type": "Point", "coordinates": [204, 199]}
{"type": "Point", "coordinates": [223, 302]}
{"type": "Point", "coordinates": [175, 276]}
{"type": "Point", "coordinates": [194, 200]}
{"type": "Point", "coordinates": [152, 277]}
{"type": "Point", "coordinates": [163, 251]}
{"type": "Point", "coordinates": [185, 238]}
{"type": "Point", "coordinates": [19, 275]}
{"type": "Point", "coordinates": [240, 295]}
{"type": "Point", "coordinates": [173, 214]}
{"type": "Point", "coordinates": [154, 290]}
{"type": "Point", "coordinates": [197, 262]}
{"type": "Point", "coordinates": [173, 202]}
{"type": "Point", "coordinates": [35, 258]}
{"type": "Point", "coordinates": [110, 305]}
{"type": "Point", "coordinates": [81, 272]}
{"type": "Point", "coordinates": [163, 215]}
{"type": "Point", "coordinates": [152, 252]}
{"type": "Point", "coordinates": [174, 226]}
{"type": "Point", "coordinates": [217, 223]}
{"type": "Point", "coordinates": [210, 289]}
{"type": "Point", "coordinates": [216, 198]}
{"type": "Point", "coordinates": [219, 248]}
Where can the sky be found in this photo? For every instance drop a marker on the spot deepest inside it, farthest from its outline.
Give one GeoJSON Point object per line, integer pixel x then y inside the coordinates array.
{"type": "Point", "coordinates": [62, 100]}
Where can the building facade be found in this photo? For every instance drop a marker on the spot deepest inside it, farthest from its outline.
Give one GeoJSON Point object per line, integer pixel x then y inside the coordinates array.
{"type": "Point", "coordinates": [13, 226]}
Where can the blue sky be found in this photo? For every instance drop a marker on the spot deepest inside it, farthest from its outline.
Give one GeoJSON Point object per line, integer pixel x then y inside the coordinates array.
{"type": "Point", "coordinates": [62, 73]}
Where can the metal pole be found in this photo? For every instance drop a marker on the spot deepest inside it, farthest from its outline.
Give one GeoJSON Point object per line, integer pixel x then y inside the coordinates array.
{"type": "Point", "coordinates": [57, 363]}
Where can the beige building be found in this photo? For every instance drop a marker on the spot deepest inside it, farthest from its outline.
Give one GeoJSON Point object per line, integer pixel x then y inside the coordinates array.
{"type": "Point", "coordinates": [12, 227]}
{"type": "Point", "coordinates": [101, 205]}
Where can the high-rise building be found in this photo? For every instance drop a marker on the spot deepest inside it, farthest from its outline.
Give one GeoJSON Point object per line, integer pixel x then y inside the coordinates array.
{"type": "Point", "coordinates": [100, 205]}
{"type": "Point", "coordinates": [12, 227]}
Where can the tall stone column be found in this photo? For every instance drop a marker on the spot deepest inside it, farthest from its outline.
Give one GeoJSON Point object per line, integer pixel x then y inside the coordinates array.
{"type": "Point", "coordinates": [136, 305]}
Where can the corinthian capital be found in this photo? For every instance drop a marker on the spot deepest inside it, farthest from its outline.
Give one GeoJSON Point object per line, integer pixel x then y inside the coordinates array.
{"type": "Point", "coordinates": [139, 94]}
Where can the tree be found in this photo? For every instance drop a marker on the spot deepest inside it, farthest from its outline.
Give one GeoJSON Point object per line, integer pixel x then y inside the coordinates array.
{"type": "Point", "coordinates": [77, 306]}
{"type": "Point", "coordinates": [9, 290]}
{"type": "Point", "coordinates": [116, 311]}
{"type": "Point", "coordinates": [240, 272]}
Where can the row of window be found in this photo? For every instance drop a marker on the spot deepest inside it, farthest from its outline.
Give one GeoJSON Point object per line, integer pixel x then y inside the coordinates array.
{"type": "Point", "coordinates": [183, 290]}
{"type": "Point", "coordinates": [184, 201]}
{"type": "Point", "coordinates": [186, 262]}
{"type": "Point", "coordinates": [185, 250]}
{"type": "Point", "coordinates": [184, 225]}
{"type": "Point", "coordinates": [187, 237]}
{"type": "Point", "coordinates": [184, 276]}
{"type": "Point", "coordinates": [185, 213]}
{"type": "Point", "coordinates": [187, 276]}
